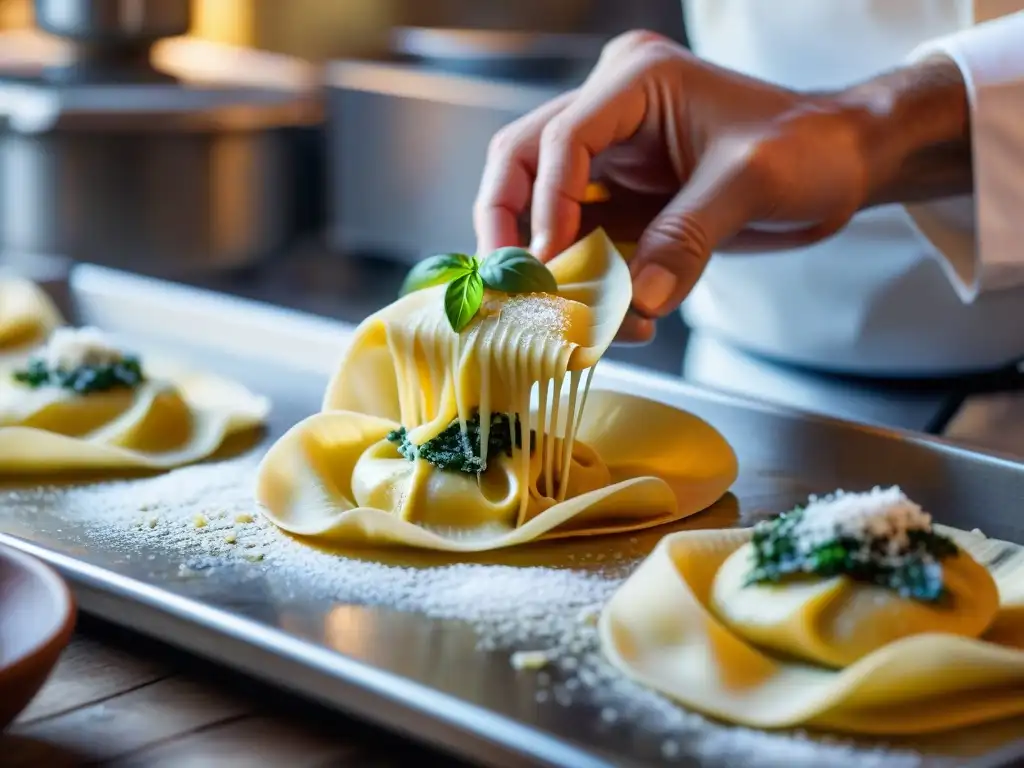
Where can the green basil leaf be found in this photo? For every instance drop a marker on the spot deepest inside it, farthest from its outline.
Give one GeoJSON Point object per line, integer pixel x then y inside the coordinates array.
{"type": "Point", "coordinates": [462, 299]}
{"type": "Point", "coordinates": [515, 270]}
{"type": "Point", "coordinates": [436, 270]}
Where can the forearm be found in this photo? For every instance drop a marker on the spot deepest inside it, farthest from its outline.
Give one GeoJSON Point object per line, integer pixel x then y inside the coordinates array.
{"type": "Point", "coordinates": [915, 128]}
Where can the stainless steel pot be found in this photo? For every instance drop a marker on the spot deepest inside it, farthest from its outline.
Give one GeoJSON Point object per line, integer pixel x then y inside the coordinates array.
{"type": "Point", "coordinates": [114, 22]}
{"type": "Point", "coordinates": [170, 203]}
{"type": "Point", "coordinates": [167, 187]}
{"type": "Point", "coordinates": [105, 159]}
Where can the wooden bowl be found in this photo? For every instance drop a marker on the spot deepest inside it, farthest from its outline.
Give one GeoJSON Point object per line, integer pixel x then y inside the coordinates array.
{"type": "Point", "coordinates": [37, 616]}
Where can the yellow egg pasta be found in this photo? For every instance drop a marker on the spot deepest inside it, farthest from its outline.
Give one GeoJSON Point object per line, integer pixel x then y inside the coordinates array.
{"type": "Point", "coordinates": [580, 462]}
{"type": "Point", "coordinates": [27, 316]}
{"type": "Point", "coordinates": [837, 621]}
{"type": "Point", "coordinates": [663, 629]}
{"type": "Point", "coordinates": [174, 417]}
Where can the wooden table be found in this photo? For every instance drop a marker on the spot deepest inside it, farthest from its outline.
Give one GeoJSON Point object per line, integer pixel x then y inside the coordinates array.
{"type": "Point", "coordinates": [121, 700]}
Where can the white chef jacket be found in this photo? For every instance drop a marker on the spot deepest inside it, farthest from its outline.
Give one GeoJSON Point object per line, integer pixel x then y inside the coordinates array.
{"type": "Point", "coordinates": [920, 290]}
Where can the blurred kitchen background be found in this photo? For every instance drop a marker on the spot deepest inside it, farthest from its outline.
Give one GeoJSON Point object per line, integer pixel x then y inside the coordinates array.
{"type": "Point", "coordinates": [306, 152]}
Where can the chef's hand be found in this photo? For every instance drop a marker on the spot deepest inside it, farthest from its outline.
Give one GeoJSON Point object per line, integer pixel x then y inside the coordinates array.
{"type": "Point", "coordinates": [718, 151]}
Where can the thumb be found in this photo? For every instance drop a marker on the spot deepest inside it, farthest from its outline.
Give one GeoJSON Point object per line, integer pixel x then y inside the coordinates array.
{"type": "Point", "coordinates": [716, 203]}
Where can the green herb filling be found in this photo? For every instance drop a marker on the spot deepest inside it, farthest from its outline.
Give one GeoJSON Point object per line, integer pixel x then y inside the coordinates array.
{"type": "Point", "coordinates": [914, 571]}
{"type": "Point", "coordinates": [456, 451]}
{"type": "Point", "coordinates": [124, 374]}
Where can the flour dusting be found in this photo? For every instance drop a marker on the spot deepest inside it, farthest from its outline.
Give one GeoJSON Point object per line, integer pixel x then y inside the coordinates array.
{"type": "Point", "coordinates": [544, 617]}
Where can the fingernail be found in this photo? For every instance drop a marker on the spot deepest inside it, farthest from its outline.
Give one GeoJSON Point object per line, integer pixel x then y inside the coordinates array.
{"type": "Point", "coordinates": [653, 287]}
{"type": "Point", "coordinates": [539, 245]}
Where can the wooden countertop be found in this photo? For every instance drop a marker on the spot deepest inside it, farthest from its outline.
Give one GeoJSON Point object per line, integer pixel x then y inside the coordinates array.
{"type": "Point", "coordinates": [117, 699]}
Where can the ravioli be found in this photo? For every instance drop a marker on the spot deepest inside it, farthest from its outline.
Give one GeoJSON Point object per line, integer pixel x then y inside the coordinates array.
{"type": "Point", "coordinates": [581, 462]}
{"type": "Point", "coordinates": [837, 621]}
{"type": "Point", "coordinates": [27, 316]}
{"type": "Point", "coordinates": [51, 422]}
{"type": "Point", "coordinates": [828, 653]}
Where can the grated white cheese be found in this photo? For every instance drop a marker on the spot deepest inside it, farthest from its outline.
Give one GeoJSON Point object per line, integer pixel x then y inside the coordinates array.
{"type": "Point", "coordinates": [881, 513]}
{"type": "Point", "coordinates": [71, 348]}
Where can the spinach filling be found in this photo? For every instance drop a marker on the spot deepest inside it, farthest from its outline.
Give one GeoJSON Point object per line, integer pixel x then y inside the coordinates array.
{"type": "Point", "coordinates": [915, 571]}
{"type": "Point", "coordinates": [126, 373]}
{"type": "Point", "coordinates": [455, 451]}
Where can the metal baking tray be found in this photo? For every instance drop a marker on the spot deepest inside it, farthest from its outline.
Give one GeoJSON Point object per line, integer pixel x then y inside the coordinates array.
{"type": "Point", "coordinates": [433, 677]}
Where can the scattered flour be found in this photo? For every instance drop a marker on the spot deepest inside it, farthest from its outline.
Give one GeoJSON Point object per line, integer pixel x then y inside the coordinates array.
{"type": "Point", "coordinates": [546, 614]}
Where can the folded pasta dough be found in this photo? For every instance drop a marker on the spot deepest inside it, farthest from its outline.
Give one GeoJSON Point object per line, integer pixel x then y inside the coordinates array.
{"type": "Point", "coordinates": [663, 628]}
{"type": "Point", "coordinates": [360, 470]}
{"type": "Point", "coordinates": [171, 417]}
{"type": "Point", "coordinates": [837, 621]}
{"type": "Point", "coordinates": [27, 316]}
{"type": "Point", "coordinates": [594, 293]}
{"type": "Point", "coordinates": [417, 492]}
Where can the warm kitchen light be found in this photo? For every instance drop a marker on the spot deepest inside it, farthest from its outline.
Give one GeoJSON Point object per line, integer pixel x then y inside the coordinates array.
{"type": "Point", "coordinates": [224, 21]}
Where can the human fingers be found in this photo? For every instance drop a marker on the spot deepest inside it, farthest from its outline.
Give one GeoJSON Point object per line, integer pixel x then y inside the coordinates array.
{"type": "Point", "coordinates": [621, 213]}
{"type": "Point", "coordinates": [506, 185]}
{"type": "Point", "coordinates": [754, 240]}
{"type": "Point", "coordinates": [725, 192]}
{"type": "Point", "coordinates": [609, 109]}
{"type": "Point", "coordinates": [635, 330]}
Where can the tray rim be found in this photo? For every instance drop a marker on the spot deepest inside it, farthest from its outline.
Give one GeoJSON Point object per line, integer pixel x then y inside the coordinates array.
{"type": "Point", "coordinates": [399, 703]}
{"type": "Point", "coordinates": [317, 673]}
{"type": "Point", "coordinates": [317, 334]}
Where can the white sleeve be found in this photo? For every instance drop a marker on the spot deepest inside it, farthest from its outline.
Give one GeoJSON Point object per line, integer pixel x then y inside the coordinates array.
{"type": "Point", "coordinates": [981, 239]}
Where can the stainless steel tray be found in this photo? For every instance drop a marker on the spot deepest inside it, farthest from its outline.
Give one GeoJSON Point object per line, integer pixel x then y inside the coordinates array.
{"type": "Point", "coordinates": [359, 631]}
